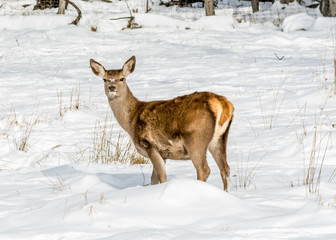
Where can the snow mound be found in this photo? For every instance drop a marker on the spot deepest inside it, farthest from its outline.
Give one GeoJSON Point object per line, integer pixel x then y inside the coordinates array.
{"type": "Point", "coordinates": [175, 203]}
{"type": "Point", "coordinates": [216, 23]}
{"type": "Point", "coordinates": [298, 22]}
{"type": "Point", "coordinates": [34, 22]}
{"type": "Point", "coordinates": [323, 23]}
{"type": "Point", "coordinates": [278, 7]}
{"type": "Point", "coordinates": [154, 20]}
{"type": "Point", "coordinates": [192, 192]}
{"type": "Point", "coordinates": [90, 182]}
{"type": "Point", "coordinates": [14, 160]}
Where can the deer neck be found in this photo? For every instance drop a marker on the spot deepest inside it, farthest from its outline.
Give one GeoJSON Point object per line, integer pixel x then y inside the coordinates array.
{"type": "Point", "coordinates": [124, 108]}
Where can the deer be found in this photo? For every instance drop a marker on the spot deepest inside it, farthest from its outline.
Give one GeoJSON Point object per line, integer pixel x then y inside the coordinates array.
{"type": "Point", "coordinates": [183, 128]}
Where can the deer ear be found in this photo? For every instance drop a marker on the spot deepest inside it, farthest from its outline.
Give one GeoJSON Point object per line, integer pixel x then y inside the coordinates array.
{"type": "Point", "coordinates": [97, 68]}
{"type": "Point", "coordinates": [129, 66]}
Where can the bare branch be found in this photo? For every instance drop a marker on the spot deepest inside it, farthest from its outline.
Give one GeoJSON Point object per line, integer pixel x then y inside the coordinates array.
{"type": "Point", "coordinates": [75, 22]}
{"type": "Point", "coordinates": [120, 18]}
{"type": "Point", "coordinates": [128, 8]}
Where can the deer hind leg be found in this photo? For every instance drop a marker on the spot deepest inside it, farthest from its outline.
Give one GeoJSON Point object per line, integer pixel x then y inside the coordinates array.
{"type": "Point", "coordinates": [217, 148]}
{"type": "Point", "coordinates": [201, 165]}
{"type": "Point", "coordinates": [159, 171]}
{"type": "Point", "coordinates": [197, 152]}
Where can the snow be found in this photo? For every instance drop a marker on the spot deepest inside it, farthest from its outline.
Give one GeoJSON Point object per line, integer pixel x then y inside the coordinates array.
{"type": "Point", "coordinates": [279, 78]}
{"type": "Point", "coordinates": [33, 22]}
{"type": "Point", "coordinates": [224, 23]}
{"type": "Point", "coordinates": [298, 22]}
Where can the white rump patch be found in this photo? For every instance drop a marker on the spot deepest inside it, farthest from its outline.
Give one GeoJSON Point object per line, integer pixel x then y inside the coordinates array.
{"type": "Point", "coordinates": [219, 131]}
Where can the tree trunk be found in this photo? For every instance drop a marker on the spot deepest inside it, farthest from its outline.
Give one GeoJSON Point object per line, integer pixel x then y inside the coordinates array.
{"type": "Point", "coordinates": [209, 8]}
{"type": "Point", "coordinates": [255, 5]}
{"type": "Point", "coordinates": [328, 8]}
{"type": "Point", "coordinates": [61, 8]}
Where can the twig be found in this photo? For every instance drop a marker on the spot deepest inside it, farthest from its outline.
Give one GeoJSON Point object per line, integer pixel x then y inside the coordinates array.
{"type": "Point", "coordinates": [130, 23]}
{"type": "Point", "coordinates": [131, 18]}
{"type": "Point", "coordinates": [120, 18]}
{"type": "Point", "coordinates": [279, 58]}
{"type": "Point", "coordinates": [128, 8]}
{"type": "Point", "coordinates": [75, 22]}
{"type": "Point", "coordinates": [147, 7]}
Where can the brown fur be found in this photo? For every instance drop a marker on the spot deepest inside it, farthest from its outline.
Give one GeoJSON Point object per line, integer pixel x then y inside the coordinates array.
{"type": "Point", "coordinates": [181, 128]}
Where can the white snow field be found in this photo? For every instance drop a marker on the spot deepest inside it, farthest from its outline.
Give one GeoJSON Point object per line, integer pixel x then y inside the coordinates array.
{"type": "Point", "coordinates": [281, 147]}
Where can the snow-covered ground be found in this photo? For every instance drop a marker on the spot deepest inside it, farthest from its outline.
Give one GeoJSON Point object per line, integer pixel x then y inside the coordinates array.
{"type": "Point", "coordinates": [280, 80]}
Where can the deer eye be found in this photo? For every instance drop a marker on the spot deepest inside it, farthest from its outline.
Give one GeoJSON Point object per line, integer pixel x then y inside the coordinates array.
{"type": "Point", "coordinates": [104, 80]}
{"type": "Point", "coordinates": [122, 79]}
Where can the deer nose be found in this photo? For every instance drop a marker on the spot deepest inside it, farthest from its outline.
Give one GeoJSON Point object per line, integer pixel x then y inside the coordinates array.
{"type": "Point", "coordinates": [112, 88]}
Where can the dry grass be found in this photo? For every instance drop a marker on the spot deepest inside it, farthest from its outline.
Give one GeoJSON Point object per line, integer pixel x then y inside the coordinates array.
{"type": "Point", "coordinates": [93, 22]}
{"type": "Point", "coordinates": [332, 176]}
{"type": "Point", "coordinates": [321, 143]}
{"type": "Point", "coordinates": [56, 183]}
{"type": "Point", "coordinates": [19, 130]}
{"type": "Point", "coordinates": [102, 150]}
{"type": "Point", "coordinates": [321, 73]}
{"type": "Point", "coordinates": [335, 67]}
{"type": "Point", "coordinates": [325, 73]}
{"type": "Point", "coordinates": [102, 199]}
{"type": "Point", "coordinates": [106, 150]}
{"type": "Point", "coordinates": [335, 73]}
{"type": "Point", "coordinates": [74, 101]}
{"type": "Point", "coordinates": [301, 134]}
{"type": "Point", "coordinates": [27, 129]}
{"type": "Point", "coordinates": [243, 178]}
{"type": "Point", "coordinates": [333, 35]}
{"type": "Point", "coordinates": [318, 152]}
{"type": "Point", "coordinates": [10, 121]}
{"type": "Point", "coordinates": [270, 117]}
{"type": "Point", "coordinates": [93, 28]}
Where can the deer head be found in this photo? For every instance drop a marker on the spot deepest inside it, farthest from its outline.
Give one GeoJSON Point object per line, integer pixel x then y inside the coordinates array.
{"type": "Point", "coordinates": [114, 80]}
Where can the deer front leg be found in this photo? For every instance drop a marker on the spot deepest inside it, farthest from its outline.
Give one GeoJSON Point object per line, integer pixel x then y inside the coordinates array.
{"type": "Point", "coordinates": [159, 172]}
{"type": "Point", "coordinates": [155, 178]}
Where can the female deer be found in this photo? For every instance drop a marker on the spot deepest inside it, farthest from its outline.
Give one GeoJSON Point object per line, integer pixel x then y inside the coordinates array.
{"type": "Point", "coordinates": [181, 128]}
